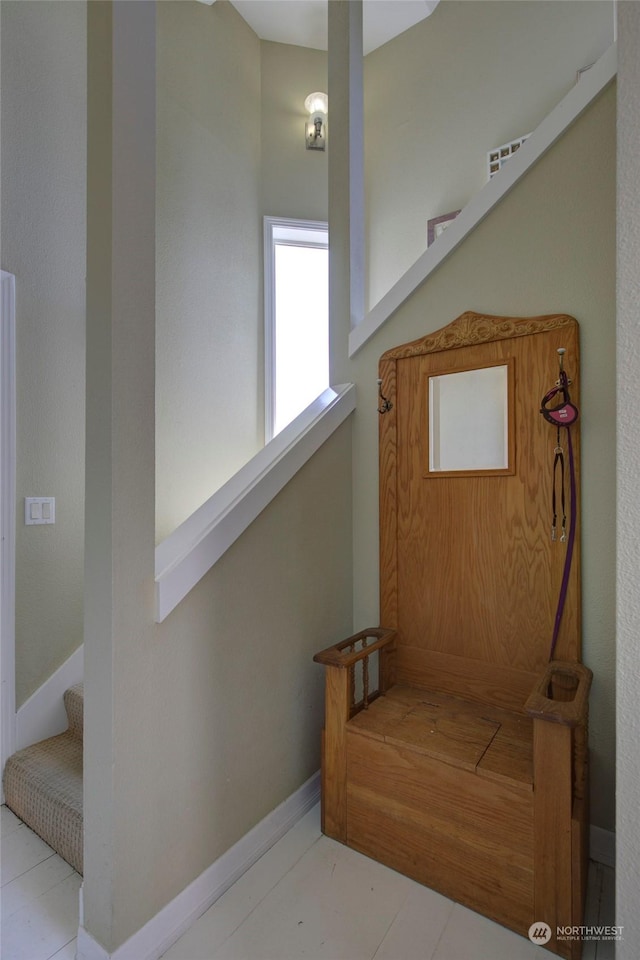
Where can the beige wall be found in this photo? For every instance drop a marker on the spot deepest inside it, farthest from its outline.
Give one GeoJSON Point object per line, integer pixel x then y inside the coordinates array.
{"type": "Point", "coordinates": [294, 179]}
{"type": "Point", "coordinates": [43, 244]}
{"type": "Point", "coordinates": [628, 622]}
{"type": "Point", "coordinates": [225, 715]}
{"type": "Point", "coordinates": [468, 78]}
{"type": "Point", "coordinates": [230, 148]}
{"type": "Point", "coordinates": [549, 247]}
{"type": "Point", "coordinates": [209, 366]}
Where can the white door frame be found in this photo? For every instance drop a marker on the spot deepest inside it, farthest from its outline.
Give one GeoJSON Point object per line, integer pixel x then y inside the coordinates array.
{"type": "Point", "coordinates": [7, 513]}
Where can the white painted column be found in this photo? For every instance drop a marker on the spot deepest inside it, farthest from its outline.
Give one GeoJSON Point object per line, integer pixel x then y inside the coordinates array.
{"type": "Point", "coordinates": [7, 514]}
{"type": "Point", "coordinates": [628, 437]}
{"type": "Point", "coordinates": [346, 179]}
{"type": "Point", "coordinates": [120, 446]}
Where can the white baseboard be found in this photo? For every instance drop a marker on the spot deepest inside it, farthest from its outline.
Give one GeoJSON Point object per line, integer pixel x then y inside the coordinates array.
{"type": "Point", "coordinates": [43, 714]}
{"type": "Point", "coordinates": [160, 933]}
{"type": "Point", "coordinates": [602, 846]}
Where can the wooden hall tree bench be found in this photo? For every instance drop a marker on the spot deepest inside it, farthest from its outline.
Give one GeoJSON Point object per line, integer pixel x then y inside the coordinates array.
{"type": "Point", "coordinates": [454, 749]}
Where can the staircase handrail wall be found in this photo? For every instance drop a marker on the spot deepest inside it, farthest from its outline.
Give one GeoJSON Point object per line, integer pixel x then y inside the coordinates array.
{"type": "Point", "coordinates": [187, 554]}
{"type": "Point", "coordinates": [592, 83]}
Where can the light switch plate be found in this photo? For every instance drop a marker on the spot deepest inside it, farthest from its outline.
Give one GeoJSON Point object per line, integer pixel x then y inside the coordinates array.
{"type": "Point", "coordinates": [39, 510]}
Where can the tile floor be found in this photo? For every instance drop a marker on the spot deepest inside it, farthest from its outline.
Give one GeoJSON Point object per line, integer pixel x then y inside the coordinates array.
{"type": "Point", "coordinates": [308, 898]}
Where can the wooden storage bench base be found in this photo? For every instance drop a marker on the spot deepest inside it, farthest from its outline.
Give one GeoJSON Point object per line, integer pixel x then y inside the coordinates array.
{"type": "Point", "coordinates": [446, 824]}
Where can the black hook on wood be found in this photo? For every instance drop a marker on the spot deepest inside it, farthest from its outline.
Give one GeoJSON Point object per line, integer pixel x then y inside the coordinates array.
{"type": "Point", "coordinates": [385, 404]}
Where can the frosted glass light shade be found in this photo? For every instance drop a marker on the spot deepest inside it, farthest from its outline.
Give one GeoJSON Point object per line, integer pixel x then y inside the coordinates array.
{"type": "Point", "coordinates": [317, 103]}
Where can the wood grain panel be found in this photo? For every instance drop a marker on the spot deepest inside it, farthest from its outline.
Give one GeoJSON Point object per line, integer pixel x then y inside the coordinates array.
{"type": "Point", "coordinates": [454, 736]}
{"type": "Point", "coordinates": [334, 767]}
{"type": "Point", "coordinates": [553, 831]}
{"type": "Point", "coordinates": [443, 826]}
{"type": "Point", "coordinates": [477, 574]}
{"type": "Point", "coordinates": [509, 757]}
{"type": "Point", "coordinates": [375, 721]}
{"type": "Point", "coordinates": [464, 677]}
{"type": "Point", "coordinates": [388, 502]}
{"type": "Point", "coordinates": [488, 814]}
{"type": "Point", "coordinates": [496, 743]}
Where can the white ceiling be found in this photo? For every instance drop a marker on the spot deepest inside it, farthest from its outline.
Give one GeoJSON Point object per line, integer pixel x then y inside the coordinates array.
{"type": "Point", "coordinates": [304, 22]}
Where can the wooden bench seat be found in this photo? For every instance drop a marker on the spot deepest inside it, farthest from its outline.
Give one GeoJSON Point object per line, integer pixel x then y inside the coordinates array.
{"type": "Point", "coordinates": [493, 743]}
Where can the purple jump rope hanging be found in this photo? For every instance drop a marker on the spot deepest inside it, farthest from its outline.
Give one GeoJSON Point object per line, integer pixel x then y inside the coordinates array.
{"type": "Point", "coordinates": [562, 416]}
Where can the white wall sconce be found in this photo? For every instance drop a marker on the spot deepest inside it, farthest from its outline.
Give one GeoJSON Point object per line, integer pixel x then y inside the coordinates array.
{"type": "Point", "coordinates": [316, 126]}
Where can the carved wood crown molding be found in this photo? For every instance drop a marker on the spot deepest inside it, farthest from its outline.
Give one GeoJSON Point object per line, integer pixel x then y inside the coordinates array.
{"type": "Point", "coordinates": [472, 328]}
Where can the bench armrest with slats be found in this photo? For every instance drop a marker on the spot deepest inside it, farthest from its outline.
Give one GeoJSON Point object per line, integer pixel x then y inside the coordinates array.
{"type": "Point", "coordinates": [352, 656]}
{"type": "Point", "coordinates": [345, 654]}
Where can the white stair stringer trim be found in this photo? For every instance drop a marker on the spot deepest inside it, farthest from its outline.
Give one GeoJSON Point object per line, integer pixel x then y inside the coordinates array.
{"type": "Point", "coordinates": [189, 552]}
{"type": "Point", "coordinates": [602, 846]}
{"type": "Point", "coordinates": [163, 930]}
{"type": "Point", "coordinates": [591, 85]}
{"type": "Point", "coordinates": [43, 715]}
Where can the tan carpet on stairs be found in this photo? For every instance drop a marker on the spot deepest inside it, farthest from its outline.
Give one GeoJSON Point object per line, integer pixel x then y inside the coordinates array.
{"type": "Point", "coordinates": [43, 785]}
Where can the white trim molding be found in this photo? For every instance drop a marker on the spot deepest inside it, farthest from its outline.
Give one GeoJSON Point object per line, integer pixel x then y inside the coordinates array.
{"type": "Point", "coordinates": [197, 544]}
{"type": "Point", "coordinates": [162, 931]}
{"type": "Point", "coordinates": [43, 715]}
{"type": "Point", "coordinates": [7, 511]}
{"type": "Point", "coordinates": [591, 85]}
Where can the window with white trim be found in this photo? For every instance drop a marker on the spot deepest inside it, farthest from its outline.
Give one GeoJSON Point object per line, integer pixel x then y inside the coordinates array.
{"type": "Point", "coordinates": [296, 290]}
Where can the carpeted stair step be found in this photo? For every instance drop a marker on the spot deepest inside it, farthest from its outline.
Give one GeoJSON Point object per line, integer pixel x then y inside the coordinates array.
{"type": "Point", "coordinates": [43, 784]}
{"type": "Point", "coordinates": [74, 705]}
